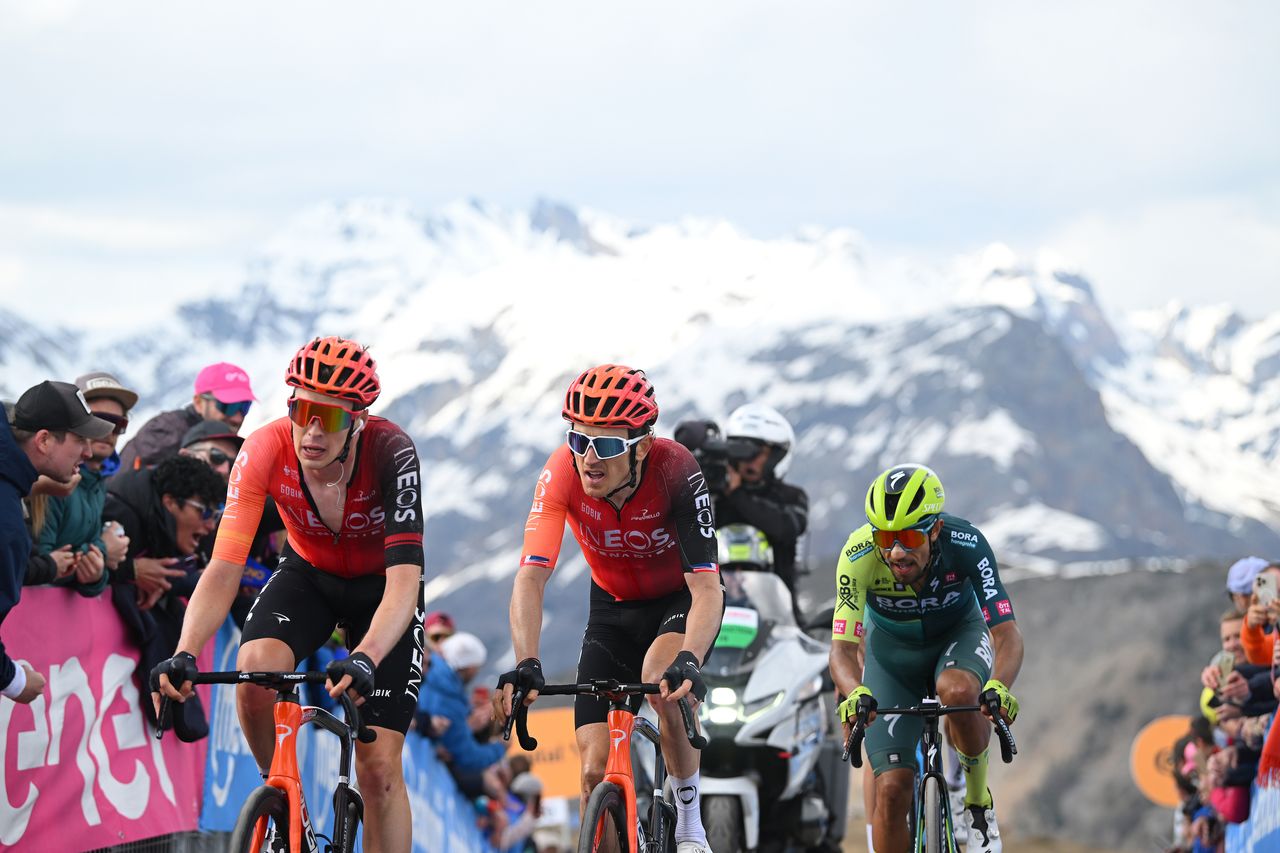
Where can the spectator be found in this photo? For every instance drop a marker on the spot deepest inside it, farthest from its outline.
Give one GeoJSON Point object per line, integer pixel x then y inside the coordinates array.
{"type": "Point", "coordinates": [214, 442]}
{"type": "Point", "coordinates": [46, 568]}
{"type": "Point", "coordinates": [75, 521]}
{"type": "Point", "coordinates": [444, 695]}
{"type": "Point", "coordinates": [1219, 678]}
{"type": "Point", "coordinates": [1240, 581]}
{"type": "Point", "coordinates": [222, 393]}
{"type": "Point", "coordinates": [1258, 637]}
{"type": "Point", "coordinates": [439, 627]}
{"type": "Point", "coordinates": [165, 511]}
{"type": "Point", "coordinates": [49, 433]}
{"type": "Point", "coordinates": [753, 492]}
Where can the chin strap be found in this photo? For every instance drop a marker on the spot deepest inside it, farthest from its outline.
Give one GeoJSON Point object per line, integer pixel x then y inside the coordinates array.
{"type": "Point", "coordinates": [631, 481]}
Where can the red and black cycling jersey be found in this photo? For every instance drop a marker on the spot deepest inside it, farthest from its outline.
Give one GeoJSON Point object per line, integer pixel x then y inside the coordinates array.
{"type": "Point", "coordinates": [639, 552]}
{"type": "Point", "coordinates": [382, 513]}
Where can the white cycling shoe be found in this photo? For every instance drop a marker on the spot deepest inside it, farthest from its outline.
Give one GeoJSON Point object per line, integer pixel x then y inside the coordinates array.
{"type": "Point", "coordinates": [984, 834]}
{"type": "Point", "coordinates": [959, 826]}
{"type": "Point", "coordinates": [692, 847]}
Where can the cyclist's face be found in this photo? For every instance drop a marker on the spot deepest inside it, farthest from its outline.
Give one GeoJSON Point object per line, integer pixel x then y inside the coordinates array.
{"type": "Point", "coordinates": [316, 448]}
{"type": "Point", "coordinates": [601, 476]}
{"type": "Point", "coordinates": [908, 565]}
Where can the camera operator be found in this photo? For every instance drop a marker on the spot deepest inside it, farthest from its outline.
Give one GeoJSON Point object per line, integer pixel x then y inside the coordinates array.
{"type": "Point", "coordinates": [744, 471]}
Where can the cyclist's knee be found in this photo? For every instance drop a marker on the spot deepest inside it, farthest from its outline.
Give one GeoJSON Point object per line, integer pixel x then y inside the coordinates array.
{"type": "Point", "coordinates": [265, 655]}
{"type": "Point", "coordinates": [958, 687]}
{"type": "Point", "coordinates": [379, 772]}
{"type": "Point", "coordinates": [592, 775]}
{"type": "Point", "coordinates": [894, 791]}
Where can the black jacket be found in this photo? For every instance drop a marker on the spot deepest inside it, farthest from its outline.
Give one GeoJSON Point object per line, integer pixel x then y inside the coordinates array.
{"type": "Point", "coordinates": [17, 475]}
{"type": "Point", "coordinates": [159, 437]}
{"type": "Point", "coordinates": [779, 510]}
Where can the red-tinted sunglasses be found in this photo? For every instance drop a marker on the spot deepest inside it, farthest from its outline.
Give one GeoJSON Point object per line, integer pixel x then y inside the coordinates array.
{"type": "Point", "coordinates": [120, 422]}
{"type": "Point", "coordinates": [910, 539]}
{"type": "Point", "coordinates": [332, 418]}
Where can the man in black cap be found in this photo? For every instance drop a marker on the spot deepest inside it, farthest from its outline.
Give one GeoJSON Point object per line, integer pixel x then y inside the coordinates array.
{"type": "Point", "coordinates": [215, 443]}
{"type": "Point", "coordinates": [48, 432]}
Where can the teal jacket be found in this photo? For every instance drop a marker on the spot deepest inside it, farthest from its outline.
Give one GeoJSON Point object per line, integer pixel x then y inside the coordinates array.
{"type": "Point", "coordinates": [76, 520]}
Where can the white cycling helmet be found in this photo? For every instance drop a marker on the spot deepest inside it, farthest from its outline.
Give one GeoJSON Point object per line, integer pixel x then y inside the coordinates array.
{"type": "Point", "coordinates": [764, 423]}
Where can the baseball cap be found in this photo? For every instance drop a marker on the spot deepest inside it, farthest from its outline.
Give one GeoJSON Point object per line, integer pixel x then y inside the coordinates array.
{"type": "Point", "coordinates": [103, 384]}
{"type": "Point", "coordinates": [1242, 572]}
{"type": "Point", "coordinates": [58, 407]}
{"type": "Point", "coordinates": [463, 650]}
{"type": "Point", "coordinates": [525, 786]}
{"type": "Point", "coordinates": [209, 430]}
{"type": "Point", "coordinates": [226, 382]}
{"type": "Point", "coordinates": [439, 617]}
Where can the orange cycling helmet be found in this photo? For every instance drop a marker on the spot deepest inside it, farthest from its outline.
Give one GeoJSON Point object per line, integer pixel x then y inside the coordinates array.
{"type": "Point", "coordinates": [611, 395]}
{"type": "Point", "coordinates": [336, 367]}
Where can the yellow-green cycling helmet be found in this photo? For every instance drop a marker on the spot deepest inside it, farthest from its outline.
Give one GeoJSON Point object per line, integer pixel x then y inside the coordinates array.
{"type": "Point", "coordinates": [905, 496]}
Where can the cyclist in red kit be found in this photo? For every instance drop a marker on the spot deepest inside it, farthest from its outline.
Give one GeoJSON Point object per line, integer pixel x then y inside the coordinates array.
{"type": "Point", "coordinates": [348, 489]}
{"type": "Point", "coordinates": [640, 510]}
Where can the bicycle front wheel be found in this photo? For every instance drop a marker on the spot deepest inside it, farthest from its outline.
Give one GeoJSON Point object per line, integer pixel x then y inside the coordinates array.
{"type": "Point", "coordinates": [604, 823]}
{"type": "Point", "coordinates": [934, 804]}
{"type": "Point", "coordinates": [266, 803]}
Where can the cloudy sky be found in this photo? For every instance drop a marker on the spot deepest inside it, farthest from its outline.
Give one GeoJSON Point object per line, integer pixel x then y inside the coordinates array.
{"type": "Point", "coordinates": [155, 145]}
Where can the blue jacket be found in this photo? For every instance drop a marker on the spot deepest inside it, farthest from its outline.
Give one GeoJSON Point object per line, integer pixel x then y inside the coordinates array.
{"type": "Point", "coordinates": [17, 475]}
{"type": "Point", "coordinates": [444, 695]}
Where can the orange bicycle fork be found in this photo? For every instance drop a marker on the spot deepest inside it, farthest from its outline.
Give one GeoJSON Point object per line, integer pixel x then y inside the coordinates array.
{"type": "Point", "coordinates": [284, 775]}
{"type": "Point", "coordinates": [618, 769]}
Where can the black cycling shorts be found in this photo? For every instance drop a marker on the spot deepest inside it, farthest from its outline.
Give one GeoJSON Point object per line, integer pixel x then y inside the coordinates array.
{"type": "Point", "coordinates": [301, 605]}
{"type": "Point", "coordinates": [617, 637]}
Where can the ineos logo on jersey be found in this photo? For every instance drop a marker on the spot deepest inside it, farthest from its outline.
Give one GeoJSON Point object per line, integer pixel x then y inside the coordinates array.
{"type": "Point", "coordinates": [406, 484]}
{"type": "Point", "coordinates": [706, 516]}
{"type": "Point", "coordinates": [355, 522]}
{"type": "Point", "coordinates": [632, 540]}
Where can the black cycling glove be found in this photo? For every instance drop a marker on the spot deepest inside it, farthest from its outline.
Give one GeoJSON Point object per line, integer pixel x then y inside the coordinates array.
{"type": "Point", "coordinates": [180, 668]}
{"type": "Point", "coordinates": [360, 667]}
{"type": "Point", "coordinates": [685, 666]}
{"type": "Point", "coordinates": [527, 676]}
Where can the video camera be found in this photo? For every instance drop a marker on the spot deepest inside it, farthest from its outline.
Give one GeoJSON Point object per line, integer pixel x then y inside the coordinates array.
{"type": "Point", "coordinates": [714, 452]}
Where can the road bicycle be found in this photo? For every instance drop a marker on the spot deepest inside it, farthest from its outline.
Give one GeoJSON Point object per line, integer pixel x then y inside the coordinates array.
{"type": "Point", "coordinates": [934, 830]}
{"type": "Point", "coordinates": [276, 812]}
{"type": "Point", "coordinates": [612, 814]}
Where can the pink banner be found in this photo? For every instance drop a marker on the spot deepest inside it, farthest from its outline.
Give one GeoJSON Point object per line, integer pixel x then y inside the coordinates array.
{"type": "Point", "coordinates": [79, 768]}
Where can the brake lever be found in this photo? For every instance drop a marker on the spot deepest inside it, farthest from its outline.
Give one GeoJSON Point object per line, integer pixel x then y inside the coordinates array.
{"type": "Point", "coordinates": [690, 729]}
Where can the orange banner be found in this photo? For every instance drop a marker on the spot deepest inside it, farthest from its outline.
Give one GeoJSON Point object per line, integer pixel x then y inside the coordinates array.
{"type": "Point", "coordinates": [1151, 758]}
{"type": "Point", "coordinates": [555, 761]}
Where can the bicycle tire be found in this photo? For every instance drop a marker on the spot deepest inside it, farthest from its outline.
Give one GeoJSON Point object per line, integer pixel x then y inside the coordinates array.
{"type": "Point", "coordinates": [263, 801]}
{"type": "Point", "coordinates": [605, 805]}
{"type": "Point", "coordinates": [934, 804]}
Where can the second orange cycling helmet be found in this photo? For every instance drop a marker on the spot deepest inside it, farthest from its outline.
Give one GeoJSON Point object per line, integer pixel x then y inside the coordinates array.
{"type": "Point", "coordinates": [336, 367]}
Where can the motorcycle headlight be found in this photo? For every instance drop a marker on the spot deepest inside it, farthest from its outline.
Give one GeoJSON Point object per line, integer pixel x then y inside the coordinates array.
{"type": "Point", "coordinates": [813, 688]}
{"type": "Point", "coordinates": [722, 696]}
{"type": "Point", "coordinates": [757, 707]}
{"type": "Point", "coordinates": [723, 715]}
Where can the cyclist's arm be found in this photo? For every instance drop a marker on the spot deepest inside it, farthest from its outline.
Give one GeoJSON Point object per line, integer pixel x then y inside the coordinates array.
{"type": "Point", "coordinates": [526, 610]}
{"type": "Point", "coordinates": [847, 629]}
{"type": "Point", "coordinates": [1007, 640]}
{"type": "Point", "coordinates": [220, 580]}
{"type": "Point", "coordinates": [703, 622]}
{"type": "Point", "coordinates": [399, 603]}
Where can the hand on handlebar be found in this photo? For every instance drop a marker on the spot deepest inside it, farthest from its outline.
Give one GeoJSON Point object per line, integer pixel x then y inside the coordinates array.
{"type": "Point", "coordinates": [171, 678]}
{"type": "Point", "coordinates": [682, 678]}
{"type": "Point", "coordinates": [527, 678]}
{"type": "Point", "coordinates": [994, 692]}
{"type": "Point", "coordinates": [354, 674]}
{"type": "Point", "coordinates": [858, 704]}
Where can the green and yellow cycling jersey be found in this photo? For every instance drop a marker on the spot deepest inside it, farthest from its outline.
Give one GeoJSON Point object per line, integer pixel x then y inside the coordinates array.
{"type": "Point", "coordinates": [963, 578]}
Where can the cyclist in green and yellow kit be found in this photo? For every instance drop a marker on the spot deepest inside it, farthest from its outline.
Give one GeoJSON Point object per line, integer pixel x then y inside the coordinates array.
{"type": "Point", "coordinates": [927, 582]}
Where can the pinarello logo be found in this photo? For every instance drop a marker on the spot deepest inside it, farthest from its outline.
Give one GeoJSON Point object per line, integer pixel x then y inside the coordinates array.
{"type": "Point", "coordinates": [1003, 607]}
{"type": "Point", "coordinates": [858, 629]}
{"type": "Point", "coordinates": [837, 627]}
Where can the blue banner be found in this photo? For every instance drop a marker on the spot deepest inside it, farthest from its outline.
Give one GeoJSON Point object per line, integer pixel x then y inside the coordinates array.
{"type": "Point", "coordinates": [443, 820]}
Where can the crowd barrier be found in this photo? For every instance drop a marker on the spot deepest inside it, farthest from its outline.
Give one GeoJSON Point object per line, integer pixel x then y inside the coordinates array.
{"type": "Point", "coordinates": [79, 769]}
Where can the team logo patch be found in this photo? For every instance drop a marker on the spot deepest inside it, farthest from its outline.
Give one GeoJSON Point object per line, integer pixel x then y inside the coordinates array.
{"type": "Point", "coordinates": [837, 627]}
{"type": "Point", "coordinates": [1003, 607]}
{"type": "Point", "coordinates": [986, 614]}
{"type": "Point", "coordinates": [858, 630]}
{"type": "Point", "coordinates": [950, 577]}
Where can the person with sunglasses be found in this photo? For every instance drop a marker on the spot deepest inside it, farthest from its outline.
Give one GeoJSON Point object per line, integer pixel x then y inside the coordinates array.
{"type": "Point", "coordinates": [641, 513]}
{"type": "Point", "coordinates": [222, 393]}
{"type": "Point", "coordinates": [215, 443]}
{"type": "Point", "coordinates": [73, 523]}
{"type": "Point", "coordinates": [928, 584]}
{"type": "Point", "coordinates": [348, 488]}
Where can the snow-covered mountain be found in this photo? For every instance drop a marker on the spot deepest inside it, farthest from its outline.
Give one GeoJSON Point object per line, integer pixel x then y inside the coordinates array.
{"type": "Point", "coordinates": [1063, 435]}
